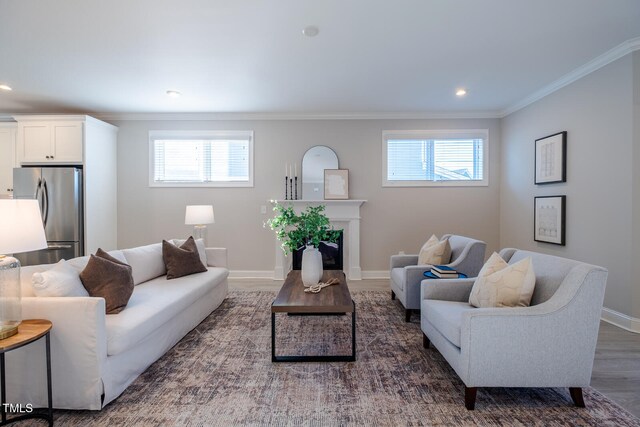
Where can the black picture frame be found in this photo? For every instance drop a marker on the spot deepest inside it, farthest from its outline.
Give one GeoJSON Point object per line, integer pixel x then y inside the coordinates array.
{"type": "Point", "coordinates": [549, 219]}
{"type": "Point", "coordinates": [550, 159]}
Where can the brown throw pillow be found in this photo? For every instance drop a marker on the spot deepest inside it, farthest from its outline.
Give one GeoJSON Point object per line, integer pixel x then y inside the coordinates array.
{"type": "Point", "coordinates": [183, 260]}
{"type": "Point", "coordinates": [109, 278]}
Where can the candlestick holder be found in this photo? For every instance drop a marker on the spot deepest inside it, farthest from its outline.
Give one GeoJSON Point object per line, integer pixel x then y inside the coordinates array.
{"type": "Point", "coordinates": [296, 187]}
{"type": "Point", "coordinates": [291, 187]}
{"type": "Point", "coordinates": [286, 188]}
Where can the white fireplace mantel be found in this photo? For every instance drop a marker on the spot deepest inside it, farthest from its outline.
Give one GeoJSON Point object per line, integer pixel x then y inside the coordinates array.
{"type": "Point", "coordinates": [342, 214]}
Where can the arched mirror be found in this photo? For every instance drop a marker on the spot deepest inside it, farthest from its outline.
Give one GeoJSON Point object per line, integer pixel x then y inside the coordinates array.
{"type": "Point", "coordinates": [314, 162]}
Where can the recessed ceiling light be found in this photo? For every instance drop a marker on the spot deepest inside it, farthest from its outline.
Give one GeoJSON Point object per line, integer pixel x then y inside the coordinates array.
{"type": "Point", "coordinates": [173, 93]}
{"type": "Point", "coordinates": [311, 31]}
{"type": "Point", "coordinates": [461, 92]}
{"type": "Point", "coordinates": [5, 87]}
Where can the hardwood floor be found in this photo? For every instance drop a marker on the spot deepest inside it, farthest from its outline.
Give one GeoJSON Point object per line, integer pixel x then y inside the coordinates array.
{"type": "Point", "coordinates": [616, 368]}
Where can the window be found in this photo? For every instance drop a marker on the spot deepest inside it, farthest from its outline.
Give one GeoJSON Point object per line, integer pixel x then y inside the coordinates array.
{"type": "Point", "coordinates": [201, 158]}
{"type": "Point", "coordinates": [435, 158]}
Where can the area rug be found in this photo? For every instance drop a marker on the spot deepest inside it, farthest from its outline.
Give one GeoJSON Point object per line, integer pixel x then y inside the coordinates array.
{"type": "Point", "coordinates": [221, 374]}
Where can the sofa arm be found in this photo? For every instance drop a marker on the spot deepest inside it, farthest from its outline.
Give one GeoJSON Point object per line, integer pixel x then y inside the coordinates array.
{"type": "Point", "coordinates": [446, 289]}
{"type": "Point", "coordinates": [403, 260]}
{"type": "Point", "coordinates": [216, 257]}
{"type": "Point", "coordinates": [78, 354]}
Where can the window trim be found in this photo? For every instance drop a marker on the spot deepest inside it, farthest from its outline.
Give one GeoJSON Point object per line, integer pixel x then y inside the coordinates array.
{"type": "Point", "coordinates": [200, 134]}
{"type": "Point", "coordinates": [437, 134]}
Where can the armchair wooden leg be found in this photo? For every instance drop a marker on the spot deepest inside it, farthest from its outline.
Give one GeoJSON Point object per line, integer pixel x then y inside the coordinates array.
{"type": "Point", "coordinates": [425, 341]}
{"type": "Point", "coordinates": [576, 395]}
{"type": "Point", "coordinates": [470, 397]}
{"type": "Point", "coordinates": [393, 295]}
{"type": "Point", "coordinates": [407, 315]}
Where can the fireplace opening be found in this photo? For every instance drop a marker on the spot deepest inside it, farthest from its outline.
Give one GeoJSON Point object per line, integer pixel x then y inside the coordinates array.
{"type": "Point", "coordinates": [332, 255]}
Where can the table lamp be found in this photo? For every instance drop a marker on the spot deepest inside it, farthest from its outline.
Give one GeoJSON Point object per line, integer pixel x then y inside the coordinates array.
{"type": "Point", "coordinates": [199, 216]}
{"type": "Point", "coordinates": [21, 230]}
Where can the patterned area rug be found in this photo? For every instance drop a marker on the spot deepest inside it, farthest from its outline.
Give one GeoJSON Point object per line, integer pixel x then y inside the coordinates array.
{"type": "Point", "coordinates": [221, 374]}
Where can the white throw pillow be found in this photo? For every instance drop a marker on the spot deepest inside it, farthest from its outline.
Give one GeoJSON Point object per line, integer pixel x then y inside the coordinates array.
{"type": "Point", "coordinates": [502, 285]}
{"type": "Point", "coordinates": [60, 281]}
{"type": "Point", "coordinates": [435, 252]}
{"type": "Point", "coordinates": [146, 262]}
{"type": "Point", "coordinates": [199, 244]}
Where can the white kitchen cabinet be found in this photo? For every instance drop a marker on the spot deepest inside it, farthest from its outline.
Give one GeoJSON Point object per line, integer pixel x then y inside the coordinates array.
{"type": "Point", "coordinates": [7, 158]}
{"type": "Point", "coordinates": [78, 140]}
{"type": "Point", "coordinates": [50, 141]}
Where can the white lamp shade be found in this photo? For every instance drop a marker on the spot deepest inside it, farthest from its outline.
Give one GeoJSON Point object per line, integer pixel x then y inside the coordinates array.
{"type": "Point", "coordinates": [21, 227]}
{"type": "Point", "coordinates": [199, 215]}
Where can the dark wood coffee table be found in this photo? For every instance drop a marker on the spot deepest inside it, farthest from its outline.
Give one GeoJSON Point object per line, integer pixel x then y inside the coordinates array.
{"type": "Point", "coordinates": [332, 300]}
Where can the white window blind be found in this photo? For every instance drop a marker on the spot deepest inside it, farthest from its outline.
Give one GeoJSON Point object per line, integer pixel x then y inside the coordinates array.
{"type": "Point", "coordinates": [202, 159]}
{"type": "Point", "coordinates": [425, 158]}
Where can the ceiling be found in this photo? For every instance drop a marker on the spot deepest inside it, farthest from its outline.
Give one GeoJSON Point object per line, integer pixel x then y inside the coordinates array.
{"type": "Point", "coordinates": [249, 56]}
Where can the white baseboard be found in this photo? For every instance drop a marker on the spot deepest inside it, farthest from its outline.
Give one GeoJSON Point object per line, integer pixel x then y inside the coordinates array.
{"type": "Point", "coordinates": [251, 274]}
{"type": "Point", "coordinates": [375, 274]}
{"type": "Point", "coordinates": [268, 274]}
{"type": "Point", "coordinates": [621, 320]}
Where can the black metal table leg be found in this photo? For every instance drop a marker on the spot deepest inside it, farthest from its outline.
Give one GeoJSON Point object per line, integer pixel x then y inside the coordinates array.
{"type": "Point", "coordinates": [49, 389]}
{"type": "Point", "coordinates": [273, 337]}
{"type": "Point", "coordinates": [353, 332]}
{"type": "Point", "coordinates": [2, 388]}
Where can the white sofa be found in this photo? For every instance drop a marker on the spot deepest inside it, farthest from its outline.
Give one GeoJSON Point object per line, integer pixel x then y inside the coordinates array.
{"type": "Point", "coordinates": [94, 356]}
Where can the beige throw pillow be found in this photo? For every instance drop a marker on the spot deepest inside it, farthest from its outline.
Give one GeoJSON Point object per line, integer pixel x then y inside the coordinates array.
{"type": "Point", "coordinates": [502, 285]}
{"type": "Point", "coordinates": [435, 253]}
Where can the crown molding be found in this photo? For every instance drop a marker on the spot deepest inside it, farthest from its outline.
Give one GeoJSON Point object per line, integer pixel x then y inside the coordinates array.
{"type": "Point", "coordinates": [595, 64]}
{"type": "Point", "coordinates": [297, 116]}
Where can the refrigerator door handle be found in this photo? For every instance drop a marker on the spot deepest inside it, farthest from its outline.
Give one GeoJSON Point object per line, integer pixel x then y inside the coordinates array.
{"type": "Point", "coordinates": [45, 198]}
{"type": "Point", "coordinates": [40, 200]}
{"type": "Point", "coordinates": [53, 247]}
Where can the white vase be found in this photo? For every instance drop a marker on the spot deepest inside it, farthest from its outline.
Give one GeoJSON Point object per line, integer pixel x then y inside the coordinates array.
{"type": "Point", "coordinates": [311, 266]}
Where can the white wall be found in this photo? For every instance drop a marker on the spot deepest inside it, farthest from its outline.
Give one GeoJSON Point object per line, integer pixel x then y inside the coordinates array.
{"type": "Point", "coordinates": [393, 219]}
{"type": "Point", "coordinates": [596, 111]}
{"type": "Point", "coordinates": [635, 284]}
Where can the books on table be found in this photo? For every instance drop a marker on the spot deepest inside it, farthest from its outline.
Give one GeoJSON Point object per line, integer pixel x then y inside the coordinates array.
{"type": "Point", "coordinates": [444, 272]}
{"type": "Point", "coordinates": [443, 269]}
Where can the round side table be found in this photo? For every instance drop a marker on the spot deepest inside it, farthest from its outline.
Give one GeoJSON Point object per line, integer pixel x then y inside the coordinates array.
{"type": "Point", "coordinates": [29, 331]}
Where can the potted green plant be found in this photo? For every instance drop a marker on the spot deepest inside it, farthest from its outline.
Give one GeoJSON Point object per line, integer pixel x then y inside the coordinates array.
{"type": "Point", "coordinates": [308, 228]}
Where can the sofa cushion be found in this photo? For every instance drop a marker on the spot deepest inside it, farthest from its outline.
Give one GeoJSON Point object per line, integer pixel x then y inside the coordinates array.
{"type": "Point", "coordinates": [446, 317]}
{"type": "Point", "coordinates": [155, 303]}
{"type": "Point", "coordinates": [511, 286]}
{"type": "Point", "coordinates": [183, 260]}
{"type": "Point", "coordinates": [439, 253]}
{"type": "Point", "coordinates": [146, 262]}
{"type": "Point", "coordinates": [398, 276]}
{"type": "Point", "coordinates": [60, 281]}
{"type": "Point", "coordinates": [108, 278]}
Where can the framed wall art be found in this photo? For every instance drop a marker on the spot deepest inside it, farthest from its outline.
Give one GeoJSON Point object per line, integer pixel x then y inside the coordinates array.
{"type": "Point", "coordinates": [551, 159]}
{"type": "Point", "coordinates": [549, 219]}
{"type": "Point", "coordinates": [336, 184]}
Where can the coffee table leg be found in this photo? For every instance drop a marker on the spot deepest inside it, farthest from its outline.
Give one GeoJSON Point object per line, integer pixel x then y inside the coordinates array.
{"type": "Point", "coordinates": [353, 332]}
{"type": "Point", "coordinates": [273, 337]}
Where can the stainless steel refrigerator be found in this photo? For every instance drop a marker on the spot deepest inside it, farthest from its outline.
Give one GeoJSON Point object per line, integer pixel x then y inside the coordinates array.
{"type": "Point", "coordinates": [58, 191]}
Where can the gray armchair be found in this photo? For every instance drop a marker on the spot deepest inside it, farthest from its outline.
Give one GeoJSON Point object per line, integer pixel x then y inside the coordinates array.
{"type": "Point", "coordinates": [467, 256]}
{"type": "Point", "coordinates": [549, 344]}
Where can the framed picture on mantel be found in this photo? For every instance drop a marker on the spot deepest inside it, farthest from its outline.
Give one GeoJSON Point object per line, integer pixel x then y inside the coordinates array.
{"type": "Point", "coordinates": [549, 219]}
{"type": "Point", "coordinates": [551, 159]}
{"type": "Point", "coordinates": [336, 184]}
